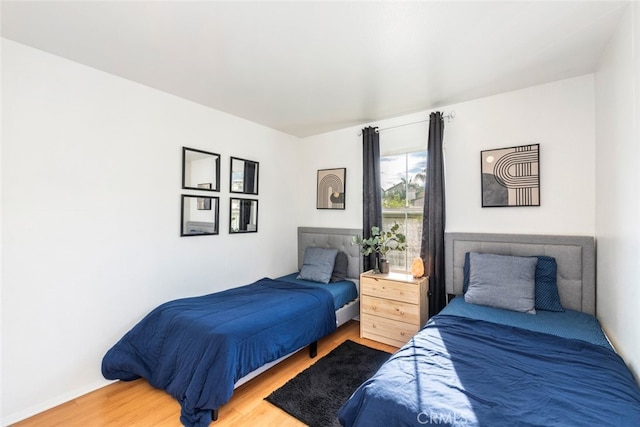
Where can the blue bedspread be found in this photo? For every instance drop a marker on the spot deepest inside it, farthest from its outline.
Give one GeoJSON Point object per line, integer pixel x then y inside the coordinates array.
{"type": "Point", "coordinates": [466, 372]}
{"type": "Point", "coordinates": [197, 348]}
{"type": "Point", "coordinates": [343, 291]}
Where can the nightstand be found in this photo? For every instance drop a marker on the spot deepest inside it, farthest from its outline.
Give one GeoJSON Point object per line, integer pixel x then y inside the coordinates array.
{"type": "Point", "coordinates": [393, 306]}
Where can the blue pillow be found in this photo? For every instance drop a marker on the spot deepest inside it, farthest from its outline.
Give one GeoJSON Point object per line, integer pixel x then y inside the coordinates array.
{"type": "Point", "coordinates": [340, 268]}
{"type": "Point", "coordinates": [318, 264]}
{"type": "Point", "coordinates": [465, 274]}
{"type": "Point", "coordinates": [547, 296]}
{"type": "Point", "coordinates": [502, 281]}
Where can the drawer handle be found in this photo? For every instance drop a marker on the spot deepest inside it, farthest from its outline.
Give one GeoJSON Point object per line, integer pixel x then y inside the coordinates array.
{"type": "Point", "coordinates": [373, 326]}
{"type": "Point", "coordinates": [401, 313]}
{"type": "Point", "coordinates": [402, 333]}
{"type": "Point", "coordinates": [401, 292]}
{"type": "Point", "coordinates": [373, 307]}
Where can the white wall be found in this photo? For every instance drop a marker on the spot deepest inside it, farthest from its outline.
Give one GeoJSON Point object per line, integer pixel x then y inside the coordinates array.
{"type": "Point", "coordinates": [617, 84]}
{"type": "Point", "coordinates": [91, 181]}
{"type": "Point", "coordinates": [559, 116]}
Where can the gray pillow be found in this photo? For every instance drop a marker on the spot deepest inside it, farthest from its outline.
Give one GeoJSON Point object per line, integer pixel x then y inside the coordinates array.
{"type": "Point", "coordinates": [502, 281]}
{"type": "Point", "coordinates": [318, 264]}
{"type": "Point", "coordinates": [340, 267]}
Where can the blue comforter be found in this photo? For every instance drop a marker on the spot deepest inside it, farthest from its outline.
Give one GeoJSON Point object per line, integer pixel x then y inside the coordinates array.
{"type": "Point", "coordinates": [197, 348]}
{"type": "Point", "coordinates": [467, 372]}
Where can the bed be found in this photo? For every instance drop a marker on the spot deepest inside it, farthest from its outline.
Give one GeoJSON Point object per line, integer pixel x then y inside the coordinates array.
{"type": "Point", "coordinates": [479, 365]}
{"type": "Point", "coordinates": [199, 349]}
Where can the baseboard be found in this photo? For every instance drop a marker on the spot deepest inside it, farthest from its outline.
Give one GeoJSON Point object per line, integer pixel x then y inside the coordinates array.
{"type": "Point", "coordinates": [52, 403]}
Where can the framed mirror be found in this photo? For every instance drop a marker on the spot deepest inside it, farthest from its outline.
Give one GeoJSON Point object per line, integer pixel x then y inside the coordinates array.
{"type": "Point", "coordinates": [243, 216]}
{"type": "Point", "coordinates": [199, 215]}
{"type": "Point", "coordinates": [244, 176]}
{"type": "Point", "coordinates": [200, 170]}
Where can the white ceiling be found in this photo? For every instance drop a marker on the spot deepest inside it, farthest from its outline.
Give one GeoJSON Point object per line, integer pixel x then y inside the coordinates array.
{"type": "Point", "coordinates": [310, 67]}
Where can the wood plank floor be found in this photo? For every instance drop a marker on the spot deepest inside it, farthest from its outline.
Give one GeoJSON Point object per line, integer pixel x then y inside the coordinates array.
{"type": "Point", "coordinates": [136, 403]}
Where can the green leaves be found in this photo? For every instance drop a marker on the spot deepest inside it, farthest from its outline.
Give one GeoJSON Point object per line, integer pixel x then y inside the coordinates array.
{"type": "Point", "coordinates": [382, 241]}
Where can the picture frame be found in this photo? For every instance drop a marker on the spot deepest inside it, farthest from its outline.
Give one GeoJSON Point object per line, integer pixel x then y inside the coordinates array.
{"type": "Point", "coordinates": [200, 166]}
{"type": "Point", "coordinates": [510, 176]}
{"type": "Point", "coordinates": [243, 215]}
{"type": "Point", "coordinates": [204, 203]}
{"type": "Point", "coordinates": [195, 221]}
{"type": "Point", "coordinates": [243, 176]}
{"type": "Point", "coordinates": [331, 185]}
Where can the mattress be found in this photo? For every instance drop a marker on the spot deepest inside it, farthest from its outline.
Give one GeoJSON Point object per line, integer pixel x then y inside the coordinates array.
{"type": "Point", "coordinates": [568, 324]}
{"type": "Point", "coordinates": [343, 292]}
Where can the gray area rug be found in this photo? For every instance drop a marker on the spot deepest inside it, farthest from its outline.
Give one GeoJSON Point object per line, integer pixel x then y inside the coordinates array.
{"type": "Point", "coordinates": [316, 394]}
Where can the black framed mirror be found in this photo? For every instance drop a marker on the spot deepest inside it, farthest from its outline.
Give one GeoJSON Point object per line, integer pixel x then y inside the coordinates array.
{"type": "Point", "coordinates": [243, 176]}
{"type": "Point", "coordinates": [243, 215]}
{"type": "Point", "coordinates": [200, 170]}
{"type": "Point", "coordinates": [199, 215]}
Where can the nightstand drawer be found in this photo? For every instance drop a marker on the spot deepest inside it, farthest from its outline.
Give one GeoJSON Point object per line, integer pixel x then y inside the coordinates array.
{"type": "Point", "coordinates": [399, 291]}
{"type": "Point", "coordinates": [391, 309]}
{"type": "Point", "coordinates": [388, 331]}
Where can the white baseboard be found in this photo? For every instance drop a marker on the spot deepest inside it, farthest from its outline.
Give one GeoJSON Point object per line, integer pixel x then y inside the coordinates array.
{"type": "Point", "coordinates": [52, 403]}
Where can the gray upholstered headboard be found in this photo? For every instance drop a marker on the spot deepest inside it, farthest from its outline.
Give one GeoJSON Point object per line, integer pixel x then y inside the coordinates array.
{"type": "Point", "coordinates": [339, 238]}
{"type": "Point", "coordinates": [575, 256]}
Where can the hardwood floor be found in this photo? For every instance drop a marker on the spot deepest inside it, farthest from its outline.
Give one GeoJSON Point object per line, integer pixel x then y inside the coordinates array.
{"type": "Point", "coordinates": [136, 403]}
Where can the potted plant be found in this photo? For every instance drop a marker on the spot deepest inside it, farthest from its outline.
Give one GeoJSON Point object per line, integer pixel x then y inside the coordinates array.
{"type": "Point", "coordinates": [380, 243]}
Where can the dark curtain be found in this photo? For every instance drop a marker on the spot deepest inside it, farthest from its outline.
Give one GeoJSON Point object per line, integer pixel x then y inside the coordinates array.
{"type": "Point", "coordinates": [245, 215]}
{"type": "Point", "coordinates": [432, 246]}
{"type": "Point", "coordinates": [249, 178]}
{"type": "Point", "coordinates": [371, 187]}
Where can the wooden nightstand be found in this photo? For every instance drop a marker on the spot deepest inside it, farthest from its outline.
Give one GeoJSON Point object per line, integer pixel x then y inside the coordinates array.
{"type": "Point", "coordinates": [393, 307]}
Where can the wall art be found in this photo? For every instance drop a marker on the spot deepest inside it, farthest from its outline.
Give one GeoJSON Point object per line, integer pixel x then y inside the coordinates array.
{"type": "Point", "coordinates": [243, 215]}
{"type": "Point", "coordinates": [331, 188]}
{"type": "Point", "coordinates": [243, 176]}
{"type": "Point", "coordinates": [200, 166]}
{"type": "Point", "coordinates": [511, 176]}
{"type": "Point", "coordinates": [199, 215]}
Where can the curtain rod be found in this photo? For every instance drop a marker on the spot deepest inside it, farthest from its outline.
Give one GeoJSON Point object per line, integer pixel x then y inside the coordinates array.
{"type": "Point", "coordinates": [449, 117]}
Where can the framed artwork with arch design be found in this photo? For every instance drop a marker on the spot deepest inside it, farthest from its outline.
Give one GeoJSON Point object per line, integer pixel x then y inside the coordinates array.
{"type": "Point", "coordinates": [331, 188]}
{"type": "Point", "coordinates": [511, 176]}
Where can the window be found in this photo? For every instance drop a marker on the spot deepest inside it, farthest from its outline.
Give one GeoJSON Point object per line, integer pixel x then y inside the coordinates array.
{"type": "Point", "coordinates": [402, 177]}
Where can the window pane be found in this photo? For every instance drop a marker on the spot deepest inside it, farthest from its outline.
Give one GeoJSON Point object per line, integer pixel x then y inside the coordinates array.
{"type": "Point", "coordinates": [411, 224]}
{"type": "Point", "coordinates": [403, 185]}
{"type": "Point", "coordinates": [393, 176]}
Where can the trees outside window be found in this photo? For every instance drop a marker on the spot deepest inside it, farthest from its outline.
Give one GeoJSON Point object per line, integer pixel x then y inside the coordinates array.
{"type": "Point", "coordinates": [402, 178]}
